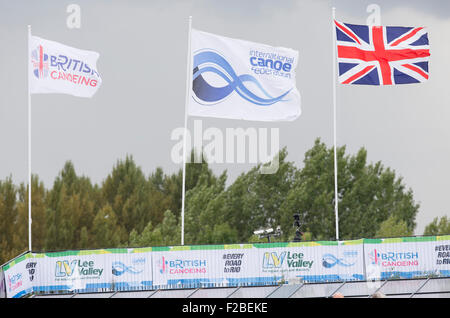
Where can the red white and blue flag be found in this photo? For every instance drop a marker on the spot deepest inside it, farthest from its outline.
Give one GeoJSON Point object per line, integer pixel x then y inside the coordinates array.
{"type": "Point", "coordinates": [381, 55]}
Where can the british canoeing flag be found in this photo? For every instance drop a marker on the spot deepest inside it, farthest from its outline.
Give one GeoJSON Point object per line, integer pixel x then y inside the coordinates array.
{"type": "Point", "coordinates": [378, 55]}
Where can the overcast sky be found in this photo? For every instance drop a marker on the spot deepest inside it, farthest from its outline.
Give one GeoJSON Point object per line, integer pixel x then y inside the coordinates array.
{"type": "Point", "coordinates": [143, 47]}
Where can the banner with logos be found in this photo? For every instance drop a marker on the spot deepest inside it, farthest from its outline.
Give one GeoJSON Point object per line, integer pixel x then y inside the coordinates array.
{"type": "Point", "coordinates": [132, 270]}
{"type": "Point", "coordinates": [202, 266]}
{"type": "Point", "coordinates": [20, 275]}
{"type": "Point", "coordinates": [407, 257]}
{"type": "Point", "coordinates": [96, 270]}
{"type": "Point", "coordinates": [226, 265]}
{"type": "Point", "coordinates": [312, 261]}
{"type": "Point", "coordinates": [74, 271]}
{"type": "Point", "coordinates": [79, 271]}
{"type": "Point", "coordinates": [258, 264]}
{"type": "Point", "coordinates": [440, 255]}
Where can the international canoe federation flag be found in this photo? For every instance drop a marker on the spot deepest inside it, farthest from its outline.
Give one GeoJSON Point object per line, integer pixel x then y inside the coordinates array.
{"type": "Point", "coordinates": [58, 68]}
{"type": "Point", "coordinates": [237, 79]}
{"type": "Point", "coordinates": [378, 55]}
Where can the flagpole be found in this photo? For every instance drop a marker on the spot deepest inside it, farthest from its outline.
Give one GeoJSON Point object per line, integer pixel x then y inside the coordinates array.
{"type": "Point", "coordinates": [188, 96]}
{"type": "Point", "coordinates": [29, 141]}
{"type": "Point", "coordinates": [334, 124]}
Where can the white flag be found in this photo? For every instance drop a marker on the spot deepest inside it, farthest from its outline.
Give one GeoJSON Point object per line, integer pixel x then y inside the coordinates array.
{"type": "Point", "coordinates": [238, 79]}
{"type": "Point", "coordinates": [58, 68]}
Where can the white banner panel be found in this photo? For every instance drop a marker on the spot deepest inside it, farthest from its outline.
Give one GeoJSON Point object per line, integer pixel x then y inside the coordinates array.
{"type": "Point", "coordinates": [395, 258]}
{"type": "Point", "coordinates": [346, 263]}
{"type": "Point", "coordinates": [185, 268]}
{"type": "Point", "coordinates": [259, 264]}
{"type": "Point", "coordinates": [132, 270]}
{"type": "Point", "coordinates": [20, 276]}
{"type": "Point", "coordinates": [74, 270]}
{"type": "Point", "coordinates": [227, 265]}
{"type": "Point", "coordinates": [441, 257]}
{"type": "Point", "coordinates": [312, 262]}
{"type": "Point", "coordinates": [238, 266]}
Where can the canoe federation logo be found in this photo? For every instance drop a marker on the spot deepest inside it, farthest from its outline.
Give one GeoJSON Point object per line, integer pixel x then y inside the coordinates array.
{"type": "Point", "coordinates": [210, 64]}
{"type": "Point", "coordinates": [349, 259]}
{"type": "Point", "coordinates": [119, 268]}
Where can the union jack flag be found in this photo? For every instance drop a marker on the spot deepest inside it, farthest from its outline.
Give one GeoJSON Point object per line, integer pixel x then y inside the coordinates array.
{"type": "Point", "coordinates": [378, 55]}
{"type": "Point", "coordinates": [40, 62]}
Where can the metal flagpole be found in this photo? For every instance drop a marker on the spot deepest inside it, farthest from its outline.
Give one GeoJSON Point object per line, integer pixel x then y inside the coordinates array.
{"type": "Point", "coordinates": [188, 96]}
{"type": "Point", "coordinates": [334, 123]}
{"type": "Point", "coordinates": [29, 141]}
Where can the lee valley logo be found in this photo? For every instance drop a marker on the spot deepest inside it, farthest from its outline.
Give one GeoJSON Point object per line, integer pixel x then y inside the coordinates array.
{"type": "Point", "coordinates": [77, 269]}
{"type": "Point", "coordinates": [273, 261]}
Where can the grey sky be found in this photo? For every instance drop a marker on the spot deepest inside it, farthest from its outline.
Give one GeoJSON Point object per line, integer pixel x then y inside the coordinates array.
{"type": "Point", "coordinates": [142, 46]}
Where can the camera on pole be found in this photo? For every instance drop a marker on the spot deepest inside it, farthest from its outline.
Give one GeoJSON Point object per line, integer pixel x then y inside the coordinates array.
{"type": "Point", "coordinates": [297, 224]}
{"type": "Point", "coordinates": [268, 233]}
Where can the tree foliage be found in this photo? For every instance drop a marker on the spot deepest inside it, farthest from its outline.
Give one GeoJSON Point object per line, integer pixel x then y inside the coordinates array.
{"type": "Point", "coordinates": [131, 209]}
{"type": "Point", "coordinates": [439, 226]}
{"type": "Point", "coordinates": [367, 195]}
{"type": "Point", "coordinates": [393, 227]}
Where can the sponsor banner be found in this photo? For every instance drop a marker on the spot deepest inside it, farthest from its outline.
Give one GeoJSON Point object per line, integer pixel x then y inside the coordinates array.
{"type": "Point", "coordinates": [20, 276]}
{"type": "Point", "coordinates": [226, 265]}
{"type": "Point", "coordinates": [80, 271]}
{"type": "Point", "coordinates": [285, 264]}
{"type": "Point", "coordinates": [258, 264]}
{"type": "Point", "coordinates": [346, 264]}
{"type": "Point", "coordinates": [74, 271]}
{"type": "Point", "coordinates": [407, 258]}
{"type": "Point", "coordinates": [313, 262]}
{"type": "Point", "coordinates": [238, 267]}
{"type": "Point", "coordinates": [441, 255]}
{"type": "Point", "coordinates": [202, 266]}
{"type": "Point", "coordinates": [185, 268]}
{"type": "Point", "coordinates": [131, 271]}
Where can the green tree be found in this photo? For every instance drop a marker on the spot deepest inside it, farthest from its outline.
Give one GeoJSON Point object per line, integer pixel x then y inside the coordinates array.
{"type": "Point", "coordinates": [126, 191]}
{"type": "Point", "coordinates": [439, 226]}
{"type": "Point", "coordinates": [393, 227]}
{"type": "Point", "coordinates": [71, 205]}
{"type": "Point", "coordinates": [105, 228]}
{"type": "Point", "coordinates": [254, 200]}
{"type": "Point", "coordinates": [160, 198]}
{"type": "Point", "coordinates": [203, 222]}
{"type": "Point", "coordinates": [8, 221]}
{"type": "Point", "coordinates": [144, 239]}
{"type": "Point", "coordinates": [172, 185]}
{"type": "Point", "coordinates": [169, 230]}
{"type": "Point", "coordinates": [166, 233]}
{"type": "Point", "coordinates": [84, 238]}
{"type": "Point", "coordinates": [368, 195]}
{"type": "Point", "coordinates": [38, 215]}
{"type": "Point", "coordinates": [130, 208]}
{"type": "Point", "coordinates": [62, 222]}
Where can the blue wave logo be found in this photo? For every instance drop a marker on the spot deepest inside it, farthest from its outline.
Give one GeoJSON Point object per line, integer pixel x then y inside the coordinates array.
{"type": "Point", "coordinates": [119, 268]}
{"type": "Point", "coordinates": [329, 260]}
{"type": "Point", "coordinates": [209, 61]}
